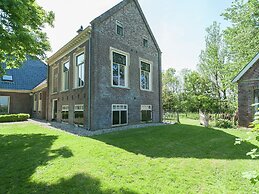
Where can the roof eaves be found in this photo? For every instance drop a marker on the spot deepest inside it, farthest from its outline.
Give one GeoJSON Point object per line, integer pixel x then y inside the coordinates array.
{"type": "Point", "coordinates": [246, 68]}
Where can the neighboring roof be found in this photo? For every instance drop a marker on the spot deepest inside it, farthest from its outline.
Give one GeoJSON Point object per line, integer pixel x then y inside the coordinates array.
{"type": "Point", "coordinates": [118, 7]}
{"type": "Point", "coordinates": [76, 41]}
{"type": "Point", "coordinates": [28, 76]}
{"type": "Point", "coordinates": [41, 86]}
{"type": "Point", "coordinates": [246, 68]}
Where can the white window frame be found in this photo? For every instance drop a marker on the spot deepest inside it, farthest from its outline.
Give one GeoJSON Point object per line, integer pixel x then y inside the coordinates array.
{"type": "Point", "coordinates": [146, 107]}
{"type": "Point", "coordinates": [79, 108]}
{"type": "Point", "coordinates": [150, 75]}
{"type": "Point", "coordinates": [35, 102]}
{"type": "Point", "coordinates": [126, 67]}
{"type": "Point", "coordinates": [64, 74]}
{"type": "Point", "coordinates": [64, 108]}
{"type": "Point", "coordinates": [9, 99]}
{"type": "Point", "coordinates": [53, 77]}
{"type": "Point", "coordinates": [120, 107]}
{"type": "Point", "coordinates": [40, 102]}
{"type": "Point", "coordinates": [76, 70]}
{"type": "Point", "coordinates": [118, 23]}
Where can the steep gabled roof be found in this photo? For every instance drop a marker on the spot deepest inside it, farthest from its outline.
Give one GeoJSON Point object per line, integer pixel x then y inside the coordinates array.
{"type": "Point", "coordinates": [118, 7]}
{"type": "Point", "coordinates": [28, 76]}
{"type": "Point", "coordinates": [246, 68]}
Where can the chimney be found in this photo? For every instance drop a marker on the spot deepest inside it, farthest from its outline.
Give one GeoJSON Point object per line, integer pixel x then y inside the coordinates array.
{"type": "Point", "coordinates": [80, 30]}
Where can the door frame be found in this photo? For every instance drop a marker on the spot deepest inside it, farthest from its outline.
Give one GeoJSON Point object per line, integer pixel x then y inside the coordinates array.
{"type": "Point", "coordinates": [53, 100]}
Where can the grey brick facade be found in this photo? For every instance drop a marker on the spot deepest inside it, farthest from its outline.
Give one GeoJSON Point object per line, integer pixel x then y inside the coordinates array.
{"type": "Point", "coordinates": [98, 93]}
{"type": "Point", "coordinates": [248, 92]}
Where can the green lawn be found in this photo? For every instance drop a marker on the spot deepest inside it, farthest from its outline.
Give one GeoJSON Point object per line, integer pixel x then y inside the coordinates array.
{"type": "Point", "coordinates": [170, 159]}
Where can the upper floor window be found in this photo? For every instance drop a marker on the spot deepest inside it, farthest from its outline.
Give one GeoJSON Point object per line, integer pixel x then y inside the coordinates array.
{"type": "Point", "coordinates": [4, 104]}
{"type": "Point", "coordinates": [145, 42]}
{"type": "Point", "coordinates": [80, 71]}
{"type": "Point", "coordinates": [145, 76]}
{"type": "Point", "coordinates": [55, 80]}
{"type": "Point", "coordinates": [119, 70]}
{"type": "Point", "coordinates": [65, 81]}
{"type": "Point", "coordinates": [119, 28]}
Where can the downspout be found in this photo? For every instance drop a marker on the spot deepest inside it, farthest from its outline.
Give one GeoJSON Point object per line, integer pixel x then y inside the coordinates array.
{"type": "Point", "coordinates": [89, 82]}
{"type": "Point", "coordinates": [160, 86]}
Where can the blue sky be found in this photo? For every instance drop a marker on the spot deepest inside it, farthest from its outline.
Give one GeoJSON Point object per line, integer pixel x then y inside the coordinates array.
{"type": "Point", "coordinates": [178, 25]}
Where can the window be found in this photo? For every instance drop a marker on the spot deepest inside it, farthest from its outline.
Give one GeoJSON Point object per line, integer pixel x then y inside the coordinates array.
{"type": "Point", "coordinates": [119, 70]}
{"type": "Point", "coordinates": [79, 114]}
{"type": "Point", "coordinates": [55, 80]}
{"type": "Point", "coordinates": [119, 114]}
{"type": "Point", "coordinates": [80, 71]}
{"type": "Point", "coordinates": [145, 42]}
{"type": "Point", "coordinates": [4, 104]}
{"type": "Point", "coordinates": [65, 110]}
{"type": "Point", "coordinates": [65, 80]}
{"type": "Point", "coordinates": [145, 76]}
{"type": "Point", "coordinates": [35, 102]}
{"type": "Point", "coordinates": [7, 78]}
{"type": "Point", "coordinates": [119, 28]}
{"type": "Point", "coordinates": [146, 113]}
{"type": "Point", "coordinates": [40, 102]}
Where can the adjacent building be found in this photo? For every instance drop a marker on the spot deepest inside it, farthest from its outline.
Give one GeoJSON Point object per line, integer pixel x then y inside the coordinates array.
{"type": "Point", "coordinates": [248, 91]}
{"type": "Point", "coordinates": [17, 89]}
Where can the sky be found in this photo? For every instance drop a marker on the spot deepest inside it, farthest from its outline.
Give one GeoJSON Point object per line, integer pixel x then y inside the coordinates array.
{"type": "Point", "coordinates": [178, 25]}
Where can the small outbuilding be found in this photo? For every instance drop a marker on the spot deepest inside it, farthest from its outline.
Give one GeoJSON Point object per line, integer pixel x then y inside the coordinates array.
{"type": "Point", "coordinates": [248, 91]}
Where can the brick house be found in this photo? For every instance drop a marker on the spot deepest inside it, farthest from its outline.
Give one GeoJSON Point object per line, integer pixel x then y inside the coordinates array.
{"type": "Point", "coordinates": [248, 91]}
{"type": "Point", "coordinates": [109, 74]}
{"type": "Point", "coordinates": [17, 88]}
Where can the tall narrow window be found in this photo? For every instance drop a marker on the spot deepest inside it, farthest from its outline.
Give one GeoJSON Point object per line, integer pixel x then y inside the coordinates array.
{"type": "Point", "coordinates": [80, 71]}
{"type": "Point", "coordinates": [65, 76]}
{"type": "Point", "coordinates": [119, 114]}
{"type": "Point", "coordinates": [146, 113]}
{"type": "Point", "coordinates": [145, 42]}
{"type": "Point", "coordinates": [119, 70]}
{"type": "Point", "coordinates": [145, 76]}
{"type": "Point", "coordinates": [4, 104]}
{"type": "Point", "coordinates": [40, 102]}
{"type": "Point", "coordinates": [119, 28]}
{"type": "Point", "coordinates": [55, 80]}
{"type": "Point", "coordinates": [35, 102]}
{"type": "Point", "coordinates": [79, 114]}
{"type": "Point", "coordinates": [65, 111]}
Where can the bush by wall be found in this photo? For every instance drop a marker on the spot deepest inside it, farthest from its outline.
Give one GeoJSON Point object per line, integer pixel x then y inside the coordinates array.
{"type": "Point", "coordinates": [224, 123]}
{"type": "Point", "coordinates": [14, 117]}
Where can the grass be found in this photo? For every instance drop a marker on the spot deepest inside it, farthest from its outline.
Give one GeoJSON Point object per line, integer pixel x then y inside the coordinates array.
{"type": "Point", "coordinates": [182, 158]}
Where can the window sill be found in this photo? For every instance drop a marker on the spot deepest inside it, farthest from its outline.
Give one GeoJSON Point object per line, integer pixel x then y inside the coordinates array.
{"type": "Point", "coordinates": [146, 90]}
{"type": "Point", "coordinates": [53, 93]}
{"type": "Point", "coordinates": [120, 87]}
{"type": "Point", "coordinates": [64, 91]}
{"type": "Point", "coordinates": [79, 87]}
{"type": "Point", "coordinates": [122, 125]}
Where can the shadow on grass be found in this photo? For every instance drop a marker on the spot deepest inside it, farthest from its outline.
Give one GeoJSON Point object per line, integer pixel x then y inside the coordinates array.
{"type": "Point", "coordinates": [183, 141]}
{"type": "Point", "coordinates": [21, 154]}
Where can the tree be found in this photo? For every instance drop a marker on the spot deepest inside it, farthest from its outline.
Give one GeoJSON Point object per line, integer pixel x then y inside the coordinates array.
{"type": "Point", "coordinates": [243, 36]}
{"type": "Point", "coordinates": [214, 62]}
{"type": "Point", "coordinates": [21, 35]}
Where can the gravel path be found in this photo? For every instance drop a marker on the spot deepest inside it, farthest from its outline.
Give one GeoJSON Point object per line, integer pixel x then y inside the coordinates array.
{"type": "Point", "coordinates": [84, 132]}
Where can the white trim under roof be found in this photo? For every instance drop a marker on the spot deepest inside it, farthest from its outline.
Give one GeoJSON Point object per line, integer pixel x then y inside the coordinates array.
{"type": "Point", "coordinates": [246, 68]}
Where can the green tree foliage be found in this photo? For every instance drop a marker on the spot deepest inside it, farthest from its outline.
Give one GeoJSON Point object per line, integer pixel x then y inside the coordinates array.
{"type": "Point", "coordinates": [243, 36]}
{"type": "Point", "coordinates": [214, 62]}
{"type": "Point", "coordinates": [21, 24]}
{"type": "Point", "coordinates": [198, 91]}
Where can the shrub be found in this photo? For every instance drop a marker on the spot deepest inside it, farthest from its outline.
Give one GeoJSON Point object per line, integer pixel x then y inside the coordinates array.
{"type": "Point", "coordinates": [14, 117]}
{"type": "Point", "coordinates": [224, 123]}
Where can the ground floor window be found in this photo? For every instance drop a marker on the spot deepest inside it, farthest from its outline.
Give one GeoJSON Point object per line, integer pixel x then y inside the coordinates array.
{"type": "Point", "coordinates": [146, 113]}
{"type": "Point", "coordinates": [4, 104]}
{"type": "Point", "coordinates": [79, 114]}
{"type": "Point", "coordinates": [119, 114]}
{"type": "Point", "coordinates": [65, 110]}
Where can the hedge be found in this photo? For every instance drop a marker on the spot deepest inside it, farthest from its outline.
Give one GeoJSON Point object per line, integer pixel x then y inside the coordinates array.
{"type": "Point", "coordinates": [14, 117]}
